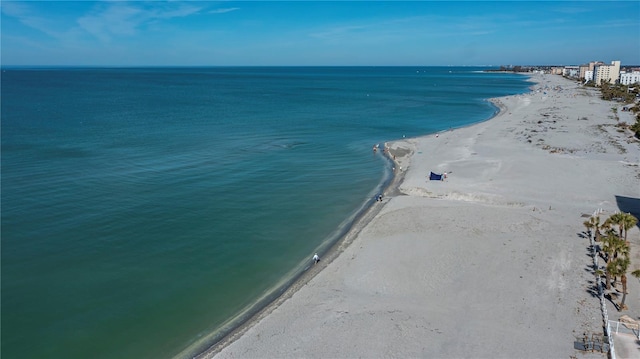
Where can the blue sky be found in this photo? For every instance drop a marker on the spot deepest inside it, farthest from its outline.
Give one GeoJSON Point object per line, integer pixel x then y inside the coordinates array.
{"type": "Point", "coordinates": [301, 33]}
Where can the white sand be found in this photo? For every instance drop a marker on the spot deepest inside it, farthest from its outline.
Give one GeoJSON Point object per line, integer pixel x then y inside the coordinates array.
{"type": "Point", "coordinates": [488, 263]}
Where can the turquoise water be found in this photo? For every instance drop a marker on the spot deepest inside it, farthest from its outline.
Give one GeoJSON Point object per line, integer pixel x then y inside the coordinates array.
{"type": "Point", "coordinates": [142, 208]}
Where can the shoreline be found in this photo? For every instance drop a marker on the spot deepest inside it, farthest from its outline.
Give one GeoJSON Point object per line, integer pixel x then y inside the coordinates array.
{"type": "Point", "coordinates": [488, 191]}
{"type": "Point", "coordinates": [249, 317]}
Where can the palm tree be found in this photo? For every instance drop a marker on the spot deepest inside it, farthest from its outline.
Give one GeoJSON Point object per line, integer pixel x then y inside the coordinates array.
{"type": "Point", "coordinates": [609, 244]}
{"type": "Point", "coordinates": [622, 264]}
{"type": "Point", "coordinates": [613, 246]}
{"type": "Point", "coordinates": [616, 219]}
{"type": "Point", "coordinates": [608, 224]}
{"type": "Point", "coordinates": [624, 221]}
{"type": "Point", "coordinates": [622, 248]}
{"type": "Point", "coordinates": [608, 248]}
{"type": "Point", "coordinates": [635, 273]}
{"type": "Point", "coordinates": [617, 267]}
{"type": "Point", "coordinates": [588, 226]}
{"type": "Point", "coordinates": [627, 222]}
{"type": "Point", "coordinates": [593, 223]}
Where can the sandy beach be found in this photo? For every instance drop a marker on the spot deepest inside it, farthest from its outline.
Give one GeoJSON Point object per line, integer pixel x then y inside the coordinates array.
{"type": "Point", "coordinates": [492, 262]}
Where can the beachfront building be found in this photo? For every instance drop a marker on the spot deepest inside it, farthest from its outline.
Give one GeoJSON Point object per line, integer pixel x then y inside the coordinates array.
{"type": "Point", "coordinates": [589, 67]}
{"type": "Point", "coordinates": [557, 70]}
{"type": "Point", "coordinates": [629, 77]}
{"type": "Point", "coordinates": [571, 71]}
{"type": "Point", "coordinates": [593, 64]}
{"type": "Point", "coordinates": [588, 75]}
{"type": "Point", "coordinates": [607, 73]}
{"type": "Point", "coordinates": [583, 71]}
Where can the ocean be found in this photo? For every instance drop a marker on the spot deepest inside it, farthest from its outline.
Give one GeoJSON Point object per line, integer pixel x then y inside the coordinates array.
{"type": "Point", "coordinates": [144, 208]}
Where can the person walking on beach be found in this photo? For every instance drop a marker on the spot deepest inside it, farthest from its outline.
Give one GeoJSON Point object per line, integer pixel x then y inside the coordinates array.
{"type": "Point", "coordinates": [316, 259]}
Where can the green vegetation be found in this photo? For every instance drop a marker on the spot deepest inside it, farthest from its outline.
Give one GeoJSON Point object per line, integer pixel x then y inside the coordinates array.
{"type": "Point", "coordinates": [516, 68]}
{"type": "Point", "coordinates": [593, 224]}
{"type": "Point", "coordinates": [625, 94]}
{"type": "Point", "coordinates": [511, 68]}
{"type": "Point", "coordinates": [616, 92]}
{"type": "Point", "coordinates": [615, 249]}
{"type": "Point", "coordinates": [636, 126]}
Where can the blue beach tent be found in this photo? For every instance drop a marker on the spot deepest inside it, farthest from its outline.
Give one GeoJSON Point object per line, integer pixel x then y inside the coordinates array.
{"type": "Point", "coordinates": [435, 177]}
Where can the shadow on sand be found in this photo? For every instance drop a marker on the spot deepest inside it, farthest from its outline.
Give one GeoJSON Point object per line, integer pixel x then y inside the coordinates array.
{"type": "Point", "coordinates": [629, 205]}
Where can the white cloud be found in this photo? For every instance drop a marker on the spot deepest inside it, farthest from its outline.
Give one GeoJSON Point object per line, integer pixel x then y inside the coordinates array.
{"type": "Point", "coordinates": [28, 17]}
{"type": "Point", "coordinates": [223, 11]}
{"type": "Point", "coordinates": [105, 21]}
{"type": "Point", "coordinates": [125, 19]}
